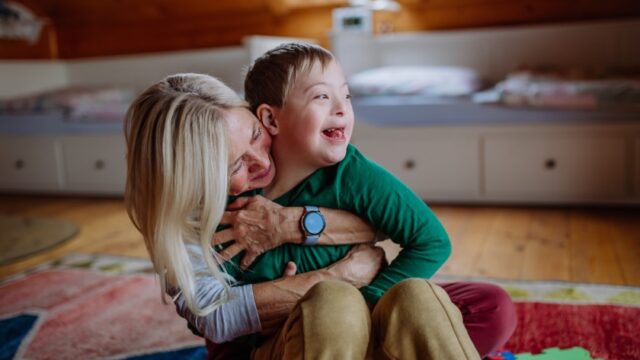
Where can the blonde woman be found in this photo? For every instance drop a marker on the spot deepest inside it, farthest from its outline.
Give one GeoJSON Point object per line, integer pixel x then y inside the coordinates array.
{"type": "Point", "coordinates": [180, 155]}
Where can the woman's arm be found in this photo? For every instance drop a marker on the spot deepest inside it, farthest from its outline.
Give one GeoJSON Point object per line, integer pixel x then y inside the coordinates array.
{"type": "Point", "coordinates": [259, 224]}
{"type": "Point", "coordinates": [263, 307]}
{"type": "Point", "coordinates": [276, 299]}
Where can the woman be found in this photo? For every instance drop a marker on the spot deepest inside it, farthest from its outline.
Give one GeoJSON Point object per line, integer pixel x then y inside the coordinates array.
{"type": "Point", "coordinates": [178, 156]}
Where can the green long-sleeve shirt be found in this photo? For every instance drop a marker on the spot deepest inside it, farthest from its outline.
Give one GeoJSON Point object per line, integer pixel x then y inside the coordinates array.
{"type": "Point", "coordinates": [364, 188]}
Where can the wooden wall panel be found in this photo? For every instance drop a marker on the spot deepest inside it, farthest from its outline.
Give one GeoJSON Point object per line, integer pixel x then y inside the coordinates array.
{"type": "Point", "coordinates": [81, 28]}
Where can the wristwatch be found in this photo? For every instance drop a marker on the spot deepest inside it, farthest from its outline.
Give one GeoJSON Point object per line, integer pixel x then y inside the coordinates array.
{"type": "Point", "coordinates": [312, 224]}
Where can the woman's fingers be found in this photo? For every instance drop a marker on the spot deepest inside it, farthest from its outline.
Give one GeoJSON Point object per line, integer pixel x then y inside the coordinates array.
{"type": "Point", "coordinates": [228, 217]}
{"type": "Point", "coordinates": [231, 251]}
{"type": "Point", "coordinates": [247, 260]}
{"type": "Point", "coordinates": [222, 237]}
{"type": "Point", "coordinates": [238, 203]}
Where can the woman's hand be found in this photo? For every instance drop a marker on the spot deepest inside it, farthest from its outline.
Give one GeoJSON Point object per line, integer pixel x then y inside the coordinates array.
{"type": "Point", "coordinates": [257, 225]}
{"type": "Point", "coordinates": [360, 266]}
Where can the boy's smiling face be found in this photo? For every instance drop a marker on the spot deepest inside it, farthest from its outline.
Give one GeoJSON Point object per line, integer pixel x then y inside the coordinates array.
{"type": "Point", "coordinates": [316, 119]}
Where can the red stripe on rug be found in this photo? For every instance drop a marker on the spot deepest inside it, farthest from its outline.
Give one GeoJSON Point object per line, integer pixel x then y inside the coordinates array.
{"type": "Point", "coordinates": [47, 289]}
{"type": "Point", "coordinates": [607, 331]}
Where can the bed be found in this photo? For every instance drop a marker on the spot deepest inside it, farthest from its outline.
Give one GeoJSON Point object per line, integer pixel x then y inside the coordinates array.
{"type": "Point", "coordinates": [478, 148]}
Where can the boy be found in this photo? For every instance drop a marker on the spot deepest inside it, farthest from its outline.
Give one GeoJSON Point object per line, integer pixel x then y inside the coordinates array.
{"type": "Point", "coordinates": [300, 94]}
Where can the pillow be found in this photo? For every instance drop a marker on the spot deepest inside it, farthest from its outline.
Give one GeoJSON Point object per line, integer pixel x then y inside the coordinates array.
{"type": "Point", "coordinates": [416, 80]}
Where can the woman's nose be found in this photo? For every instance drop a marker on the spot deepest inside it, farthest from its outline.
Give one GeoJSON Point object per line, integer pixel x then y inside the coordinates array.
{"type": "Point", "coordinates": [260, 161]}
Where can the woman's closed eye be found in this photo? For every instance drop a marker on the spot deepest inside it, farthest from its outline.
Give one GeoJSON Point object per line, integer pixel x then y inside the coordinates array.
{"type": "Point", "coordinates": [237, 167]}
{"type": "Point", "coordinates": [257, 134]}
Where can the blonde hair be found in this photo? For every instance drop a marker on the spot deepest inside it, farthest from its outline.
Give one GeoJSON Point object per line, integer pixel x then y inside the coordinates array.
{"type": "Point", "coordinates": [270, 78]}
{"type": "Point", "coordinates": [177, 179]}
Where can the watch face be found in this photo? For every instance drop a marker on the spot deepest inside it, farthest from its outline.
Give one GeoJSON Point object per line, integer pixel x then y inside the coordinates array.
{"type": "Point", "coordinates": [313, 223]}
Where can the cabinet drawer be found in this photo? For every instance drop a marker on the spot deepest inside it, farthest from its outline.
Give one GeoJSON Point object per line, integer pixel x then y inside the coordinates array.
{"type": "Point", "coordinates": [555, 167]}
{"type": "Point", "coordinates": [433, 167]}
{"type": "Point", "coordinates": [29, 163]}
{"type": "Point", "coordinates": [95, 163]}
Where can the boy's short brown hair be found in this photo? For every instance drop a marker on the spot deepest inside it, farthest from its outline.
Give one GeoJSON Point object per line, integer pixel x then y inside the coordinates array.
{"type": "Point", "coordinates": [270, 78]}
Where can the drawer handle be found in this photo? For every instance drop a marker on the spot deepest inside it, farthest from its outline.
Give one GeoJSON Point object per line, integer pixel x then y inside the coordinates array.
{"type": "Point", "coordinates": [19, 164]}
{"type": "Point", "coordinates": [99, 164]}
{"type": "Point", "coordinates": [409, 164]}
{"type": "Point", "coordinates": [550, 164]}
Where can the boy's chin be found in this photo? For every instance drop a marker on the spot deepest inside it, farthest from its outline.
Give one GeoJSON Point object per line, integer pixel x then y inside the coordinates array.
{"type": "Point", "coordinates": [334, 157]}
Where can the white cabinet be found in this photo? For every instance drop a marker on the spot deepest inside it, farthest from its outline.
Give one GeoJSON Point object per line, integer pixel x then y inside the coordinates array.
{"type": "Point", "coordinates": [551, 167]}
{"type": "Point", "coordinates": [93, 163]}
{"type": "Point", "coordinates": [90, 164]}
{"type": "Point", "coordinates": [433, 165]}
{"type": "Point", "coordinates": [534, 163]}
{"type": "Point", "coordinates": [29, 163]}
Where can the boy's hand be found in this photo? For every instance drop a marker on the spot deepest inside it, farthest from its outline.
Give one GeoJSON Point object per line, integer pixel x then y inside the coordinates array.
{"type": "Point", "coordinates": [257, 225]}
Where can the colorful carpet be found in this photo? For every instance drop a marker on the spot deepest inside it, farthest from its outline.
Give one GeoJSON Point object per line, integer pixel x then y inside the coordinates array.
{"type": "Point", "coordinates": [93, 307]}
{"type": "Point", "coordinates": [90, 307]}
{"type": "Point", "coordinates": [603, 319]}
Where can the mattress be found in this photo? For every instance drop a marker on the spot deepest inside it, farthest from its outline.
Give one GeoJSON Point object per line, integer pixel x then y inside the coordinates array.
{"type": "Point", "coordinates": [54, 124]}
{"type": "Point", "coordinates": [393, 111]}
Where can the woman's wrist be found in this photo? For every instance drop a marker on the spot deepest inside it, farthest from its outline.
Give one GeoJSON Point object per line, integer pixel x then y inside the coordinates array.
{"type": "Point", "coordinates": [290, 225]}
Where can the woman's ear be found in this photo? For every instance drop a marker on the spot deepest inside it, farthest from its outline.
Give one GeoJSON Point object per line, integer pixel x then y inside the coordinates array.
{"type": "Point", "coordinates": [266, 115]}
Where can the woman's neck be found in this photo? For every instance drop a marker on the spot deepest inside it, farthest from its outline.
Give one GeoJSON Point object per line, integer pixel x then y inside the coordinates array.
{"type": "Point", "coordinates": [289, 174]}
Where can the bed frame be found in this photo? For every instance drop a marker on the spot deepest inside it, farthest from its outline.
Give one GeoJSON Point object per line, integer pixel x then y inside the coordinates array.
{"type": "Point", "coordinates": [457, 151]}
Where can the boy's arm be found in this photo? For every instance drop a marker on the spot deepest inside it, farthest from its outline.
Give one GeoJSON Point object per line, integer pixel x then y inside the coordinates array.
{"type": "Point", "coordinates": [259, 224]}
{"type": "Point", "coordinates": [394, 209]}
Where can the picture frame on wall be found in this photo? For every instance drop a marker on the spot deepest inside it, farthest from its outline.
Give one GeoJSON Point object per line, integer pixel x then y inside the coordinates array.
{"type": "Point", "coordinates": [352, 19]}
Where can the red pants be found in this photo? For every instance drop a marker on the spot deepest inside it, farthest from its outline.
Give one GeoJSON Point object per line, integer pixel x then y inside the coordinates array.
{"type": "Point", "coordinates": [487, 311]}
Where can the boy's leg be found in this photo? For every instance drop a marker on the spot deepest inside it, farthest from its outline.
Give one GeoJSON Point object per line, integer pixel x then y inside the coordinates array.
{"type": "Point", "coordinates": [487, 311]}
{"type": "Point", "coordinates": [331, 321]}
{"type": "Point", "coordinates": [415, 319]}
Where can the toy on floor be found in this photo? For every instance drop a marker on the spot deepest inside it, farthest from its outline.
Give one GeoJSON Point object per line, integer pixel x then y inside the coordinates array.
{"type": "Point", "coordinates": [574, 353]}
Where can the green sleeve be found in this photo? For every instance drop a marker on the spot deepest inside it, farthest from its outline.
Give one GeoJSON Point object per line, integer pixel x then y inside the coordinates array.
{"type": "Point", "coordinates": [394, 209]}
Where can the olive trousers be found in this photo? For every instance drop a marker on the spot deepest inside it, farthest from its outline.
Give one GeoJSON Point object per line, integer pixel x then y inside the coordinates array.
{"type": "Point", "coordinates": [415, 319]}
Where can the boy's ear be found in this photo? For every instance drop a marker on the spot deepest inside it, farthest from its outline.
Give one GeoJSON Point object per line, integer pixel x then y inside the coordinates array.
{"type": "Point", "coordinates": [266, 114]}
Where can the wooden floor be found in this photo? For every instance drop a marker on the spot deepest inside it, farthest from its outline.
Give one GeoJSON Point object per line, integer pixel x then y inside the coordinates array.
{"type": "Point", "coordinates": [585, 245]}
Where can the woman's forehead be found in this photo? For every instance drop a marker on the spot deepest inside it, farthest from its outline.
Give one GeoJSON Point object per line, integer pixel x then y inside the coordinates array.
{"type": "Point", "coordinates": [240, 124]}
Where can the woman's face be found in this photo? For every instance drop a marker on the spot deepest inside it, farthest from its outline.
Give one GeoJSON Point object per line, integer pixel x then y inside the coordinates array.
{"type": "Point", "coordinates": [250, 162]}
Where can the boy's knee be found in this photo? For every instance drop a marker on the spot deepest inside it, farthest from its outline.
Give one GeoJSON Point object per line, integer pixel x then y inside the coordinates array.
{"type": "Point", "coordinates": [415, 291]}
{"type": "Point", "coordinates": [336, 292]}
{"type": "Point", "coordinates": [504, 319]}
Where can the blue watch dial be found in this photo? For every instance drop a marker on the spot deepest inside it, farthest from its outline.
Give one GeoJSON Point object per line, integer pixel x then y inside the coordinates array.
{"type": "Point", "coordinates": [313, 222]}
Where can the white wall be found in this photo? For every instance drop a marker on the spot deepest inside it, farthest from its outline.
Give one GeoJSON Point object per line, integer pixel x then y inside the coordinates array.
{"type": "Point", "coordinates": [19, 78]}
{"type": "Point", "coordinates": [25, 77]}
{"type": "Point", "coordinates": [494, 52]}
{"type": "Point", "coordinates": [142, 70]}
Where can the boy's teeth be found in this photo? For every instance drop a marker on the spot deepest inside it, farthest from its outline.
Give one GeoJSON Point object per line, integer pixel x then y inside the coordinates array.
{"type": "Point", "coordinates": [333, 132]}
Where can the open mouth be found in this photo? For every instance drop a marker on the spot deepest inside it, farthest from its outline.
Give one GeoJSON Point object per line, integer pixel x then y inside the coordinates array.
{"type": "Point", "coordinates": [336, 133]}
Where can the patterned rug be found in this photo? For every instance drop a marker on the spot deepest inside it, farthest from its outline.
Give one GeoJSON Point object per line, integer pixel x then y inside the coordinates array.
{"type": "Point", "coordinates": [602, 319]}
{"type": "Point", "coordinates": [96, 307]}
{"type": "Point", "coordinates": [20, 237]}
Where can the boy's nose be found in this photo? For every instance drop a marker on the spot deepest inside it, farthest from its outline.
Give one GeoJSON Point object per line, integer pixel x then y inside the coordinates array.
{"type": "Point", "coordinates": [339, 108]}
